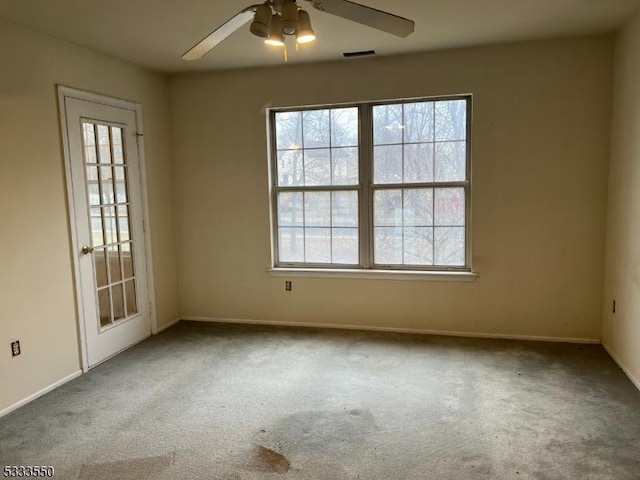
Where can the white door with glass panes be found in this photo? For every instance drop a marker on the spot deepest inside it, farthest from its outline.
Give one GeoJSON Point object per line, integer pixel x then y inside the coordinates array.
{"type": "Point", "coordinates": [107, 214]}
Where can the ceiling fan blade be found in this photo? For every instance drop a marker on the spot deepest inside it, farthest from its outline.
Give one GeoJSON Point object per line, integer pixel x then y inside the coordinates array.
{"type": "Point", "coordinates": [219, 34]}
{"type": "Point", "coordinates": [368, 16]}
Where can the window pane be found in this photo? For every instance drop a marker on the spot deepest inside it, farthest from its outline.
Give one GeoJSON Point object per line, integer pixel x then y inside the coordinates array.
{"type": "Point", "coordinates": [110, 228]}
{"type": "Point", "coordinates": [100, 263]}
{"type": "Point", "coordinates": [449, 246]}
{"type": "Point", "coordinates": [92, 173]}
{"type": "Point", "coordinates": [117, 297]}
{"type": "Point", "coordinates": [344, 127]}
{"type": "Point", "coordinates": [121, 184]}
{"type": "Point", "coordinates": [104, 144]}
{"type": "Point", "coordinates": [103, 135]}
{"type": "Point", "coordinates": [90, 154]}
{"type": "Point", "coordinates": [387, 124]}
{"type": "Point", "coordinates": [130, 295]}
{"type": "Point", "coordinates": [387, 164]}
{"type": "Point", "coordinates": [123, 222]}
{"type": "Point", "coordinates": [317, 167]}
{"type": "Point", "coordinates": [94, 194]}
{"type": "Point", "coordinates": [316, 132]}
{"type": "Point", "coordinates": [345, 166]}
{"type": "Point", "coordinates": [451, 120]}
{"type": "Point", "coordinates": [127, 260]}
{"type": "Point", "coordinates": [118, 155]}
{"type": "Point", "coordinates": [418, 207]}
{"type": "Point", "coordinates": [344, 209]}
{"type": "Point", "coordinates": [387, 208]}
{"type": "Point", "coordinates": [418, 162]}
{"type": "Point", "coordinates": [290, 170]}
{"type": "Point", "coordinates": [451, 161]}
{"type": "Point", "coordinates": [113, 253]}
{"type": "Point", "coordinates": [290, 209]}
{"type": "Point", "coordinates": [317, 245]}
{"type": "Point", "coordinates": [317, 209]}
{"type": "Point", "coordinates": [105, 154]}
{"type": "Point", "coordinates": [418, 122]}
{"type": "Point", "coordinates": [418, 246]}
{"type": "Point", "coordinates": [97, 234]}
{"type": "Point", "coordinates": [344, 245]}
{"type": "Point", "coordinates": [288, 130]}
{"type": "Point", "coordinates": [88, 131]}
{"type": "Point", "coordinates": [116, 136]}
{"type": "Point", "coordinates": [449, 206]}
{"type": "Point", "coordinates": [291, 244]}
{"type": "Point", "coordinates": [106, 185]}
{"type": "Point", "coordinates": [104, 306]}
{"type": "Point", "coordinates": [387, 245]}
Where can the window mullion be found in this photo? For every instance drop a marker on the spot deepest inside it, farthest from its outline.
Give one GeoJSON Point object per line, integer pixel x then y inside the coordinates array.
{"type": "Point", "coordinates": [365, 166]}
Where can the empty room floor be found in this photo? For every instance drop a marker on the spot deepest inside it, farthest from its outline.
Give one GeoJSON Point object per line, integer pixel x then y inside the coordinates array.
{"type": "Point", "coordinates": [231, 402]}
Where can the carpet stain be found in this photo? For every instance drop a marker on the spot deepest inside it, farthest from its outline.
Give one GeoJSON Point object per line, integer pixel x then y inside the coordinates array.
{"type": "Point", "coordinates": [133, 469]}
{"type": "Point", "coordinates": [272, 460]}
{"type": "Point", "coordinates": [232, 476]}
{"type": "Point", "coordinates": [313, 431]}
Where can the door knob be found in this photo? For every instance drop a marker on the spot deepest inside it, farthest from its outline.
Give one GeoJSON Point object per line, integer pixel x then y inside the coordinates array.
{"type": "Point", "coordinates": [87, 249]}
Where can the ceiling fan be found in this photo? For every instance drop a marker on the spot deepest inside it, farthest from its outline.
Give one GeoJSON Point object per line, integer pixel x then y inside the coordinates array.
{"type": "Point", "coordinates": [274, 19]}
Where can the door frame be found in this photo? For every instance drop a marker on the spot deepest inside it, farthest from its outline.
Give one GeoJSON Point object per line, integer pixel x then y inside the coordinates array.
{"type": "Point", "coordinates": [69, 92]}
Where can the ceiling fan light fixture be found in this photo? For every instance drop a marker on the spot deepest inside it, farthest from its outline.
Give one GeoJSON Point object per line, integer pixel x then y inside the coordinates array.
{"type": "Point", "coordinates": [305, 33]}
{"type": "Point", "coordinates": [276, 37]}
{"type": "Point", "coordinates": [261, 21]}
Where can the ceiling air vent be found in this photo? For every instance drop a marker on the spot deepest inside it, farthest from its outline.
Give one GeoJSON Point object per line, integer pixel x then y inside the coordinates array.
{"type": "Point", "coordinates": [364, 53]}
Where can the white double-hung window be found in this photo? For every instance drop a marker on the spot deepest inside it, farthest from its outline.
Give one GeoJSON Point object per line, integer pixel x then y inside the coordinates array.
{"type": "Point", "coordinates": [372, 186]}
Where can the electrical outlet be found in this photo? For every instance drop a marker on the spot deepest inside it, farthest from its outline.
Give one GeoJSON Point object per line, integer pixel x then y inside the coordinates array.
{"type": "Point", "coordinates": [15, 348]}
{"type": "Point", "coordinates": [613, 306]}
{"type": "Point", "coordinates": [287, 285]}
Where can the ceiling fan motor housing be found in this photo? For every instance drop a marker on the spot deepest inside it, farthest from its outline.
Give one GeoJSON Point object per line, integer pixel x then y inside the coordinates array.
{"type": "Point", "coordinates": [289, 18]}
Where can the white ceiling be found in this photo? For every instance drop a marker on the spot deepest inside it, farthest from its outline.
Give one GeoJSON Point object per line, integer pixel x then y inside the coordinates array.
{"type": "Point", "coordinates": [155, 33]}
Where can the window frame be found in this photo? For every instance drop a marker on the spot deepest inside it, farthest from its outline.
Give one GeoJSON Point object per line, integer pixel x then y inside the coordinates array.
{"type": "Point", "coordinates": [366, 188]}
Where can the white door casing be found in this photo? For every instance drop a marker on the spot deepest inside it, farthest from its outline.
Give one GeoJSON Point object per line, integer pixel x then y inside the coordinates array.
{"type": "Point", "coordinates": [103, 159]}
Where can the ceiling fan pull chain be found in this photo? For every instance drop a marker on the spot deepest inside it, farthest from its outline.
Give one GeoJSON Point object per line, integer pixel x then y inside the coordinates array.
{"type": "Point", "coordinates": [286, 56]}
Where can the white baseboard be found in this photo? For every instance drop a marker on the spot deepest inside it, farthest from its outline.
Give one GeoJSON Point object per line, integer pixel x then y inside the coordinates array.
{"type": "Point", "coordinates": [39, 393]}
{"type": "Point", "coordinates": [168, 325]}
{"type": "Point", "coordinates": [627, 372]}
{"type": "Point", "coordinates": [395, 330]}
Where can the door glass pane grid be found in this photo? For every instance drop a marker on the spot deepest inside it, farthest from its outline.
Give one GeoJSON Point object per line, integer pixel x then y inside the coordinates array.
{"type": "Point", "coordinates": [107, 190]}
{"type": "Point", "coordinates": [106, 164]}
{"type": "Point", "coordinates": [318, 227]}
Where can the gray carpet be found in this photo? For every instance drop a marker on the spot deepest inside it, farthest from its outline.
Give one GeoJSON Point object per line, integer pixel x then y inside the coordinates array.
{"type": "Point", "coordinates": [206, 401]}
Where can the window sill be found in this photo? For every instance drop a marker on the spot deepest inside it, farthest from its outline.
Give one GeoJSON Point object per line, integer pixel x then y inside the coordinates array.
{"type": "Point", "coordinates": [430, 276]}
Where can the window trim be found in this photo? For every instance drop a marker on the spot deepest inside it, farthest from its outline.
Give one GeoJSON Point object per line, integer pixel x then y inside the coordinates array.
{"type": "Point", "coordinates": [366, 267]}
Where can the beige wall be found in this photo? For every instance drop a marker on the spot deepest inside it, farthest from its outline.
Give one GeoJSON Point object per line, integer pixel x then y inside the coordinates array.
{"type": "Point", "coordinates": [36, 277]}
{"type": "Point", "coordinates": [540, 154]}
{"type": "Point", "coordinates": [621, 332]}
